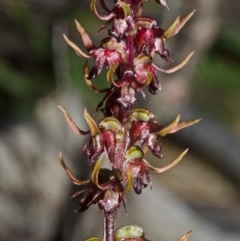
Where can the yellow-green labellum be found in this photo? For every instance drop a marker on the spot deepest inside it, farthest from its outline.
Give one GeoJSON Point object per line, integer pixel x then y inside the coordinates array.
{"type": "Point", "coordinates": [129, 231]}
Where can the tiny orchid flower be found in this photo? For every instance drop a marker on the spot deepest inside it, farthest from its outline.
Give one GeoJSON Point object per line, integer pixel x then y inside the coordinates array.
{"type": "Point", "coordinates": [109, 53]}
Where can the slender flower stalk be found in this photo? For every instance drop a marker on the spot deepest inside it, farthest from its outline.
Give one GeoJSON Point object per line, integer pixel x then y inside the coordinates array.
{"type": "Point", "coordinates": [109, 226]}
{"type": "Point", "coordinates": [124, 134]}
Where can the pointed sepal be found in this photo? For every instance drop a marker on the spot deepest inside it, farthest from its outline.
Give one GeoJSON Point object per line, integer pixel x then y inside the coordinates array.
{"type": "Point", "coordinates": [185, 236]}
{"type": "Point", "coordinates": [175, 68]}
{"type": "Point", "coordinates": [169, 32]}
{"type": "Point", "coordinates": [71, 124]}
{"type": "Point", "coordinates": [95, 172]}
{"type": "Point", "coordinates": [89, 82]}
{"type": "Point", "coordinates": [130, 181]}
{"type": "Point", "coordinates": [75, 47]}
{"type": "Point", "coordinates": [85, 37]}
{"type": "Point", "coordinates": [177, 25]}
{"type": "Point", "coordinates": [102, 17]}
{"type": "Point", "coordinates": [70, 174]}
{"type": "Point", "coordinates": [182, 22]}
{"type": "Point", "coordinates": [91, 123]}
{"type": "Point", "coordinates": [162, 2]}
{"type": "Point", "coordinates": [176, 126]}
{"type": "Point", "coordinates": [167, 167]}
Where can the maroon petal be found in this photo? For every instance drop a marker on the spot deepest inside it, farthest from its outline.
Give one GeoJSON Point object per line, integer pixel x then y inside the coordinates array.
{"type": "Point", "coordinates": [153, 143]}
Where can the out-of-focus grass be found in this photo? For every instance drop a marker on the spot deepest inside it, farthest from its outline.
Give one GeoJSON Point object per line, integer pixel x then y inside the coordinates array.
{"type": "Point", "coordinates": [217, 88]}
{"type": "Point", "coordinates": [21, 90]}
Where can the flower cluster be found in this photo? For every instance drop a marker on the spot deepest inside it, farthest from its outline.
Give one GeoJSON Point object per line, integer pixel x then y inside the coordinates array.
{"type": "Point", "coordinates": [124, 134]}
{"type": "Point", "coordinates": [128, 54]}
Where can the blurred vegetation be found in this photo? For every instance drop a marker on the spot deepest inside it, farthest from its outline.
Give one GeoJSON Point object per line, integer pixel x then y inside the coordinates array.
{"type": "Point", "coordinates": [26, 57]}
{"type": "Point", "coordinates": [25, 61]}
{"type": "Point", "coordinates": [217, 87]}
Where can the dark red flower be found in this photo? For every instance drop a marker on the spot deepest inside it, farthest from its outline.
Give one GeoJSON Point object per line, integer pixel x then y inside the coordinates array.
{"type": "Point", "coordinates": [104, 185]}
{"type": "Point", "coordinates": [110, 53]}
{"type": "Point", "coordinates": [122, 16]}
{"type": "Point", "coordinates": [145, 132]}
{"type": "Point", "coordinates": [135, 166]}
{"type": "Point", "coordinates": [150, 38]}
